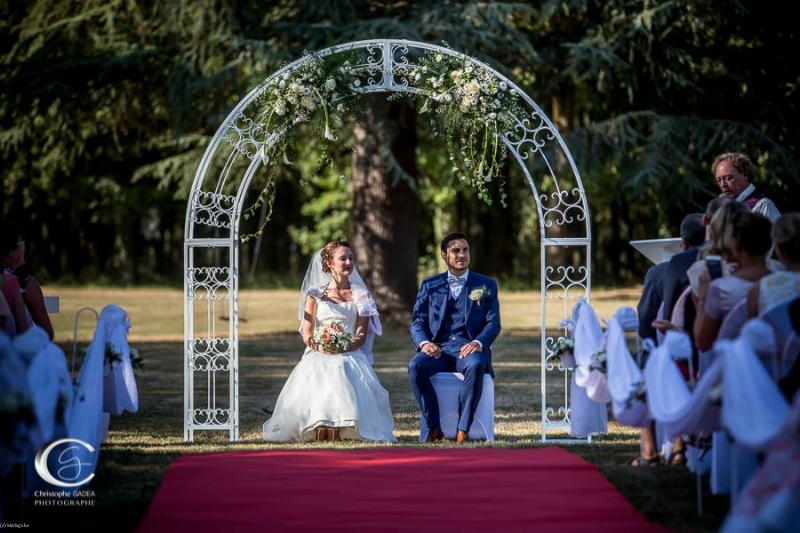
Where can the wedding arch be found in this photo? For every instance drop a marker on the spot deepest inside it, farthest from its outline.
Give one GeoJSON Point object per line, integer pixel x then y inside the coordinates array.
{"type": "Point", "coordinates": [241, 146]}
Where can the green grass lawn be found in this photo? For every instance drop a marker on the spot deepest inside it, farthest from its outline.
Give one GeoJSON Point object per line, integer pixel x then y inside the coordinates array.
{"type": "Point", "coordinates": [142, 445]}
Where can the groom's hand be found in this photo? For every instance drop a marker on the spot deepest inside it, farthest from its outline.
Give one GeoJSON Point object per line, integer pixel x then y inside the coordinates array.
{"type": "Point", "coordinates": [469, 349]}
{"type": "Point", "coordinates": [431, 350]}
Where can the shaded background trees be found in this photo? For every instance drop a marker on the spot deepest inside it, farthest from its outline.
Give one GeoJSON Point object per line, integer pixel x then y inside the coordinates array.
{"type": "Point", "coordinates": [107, 108]}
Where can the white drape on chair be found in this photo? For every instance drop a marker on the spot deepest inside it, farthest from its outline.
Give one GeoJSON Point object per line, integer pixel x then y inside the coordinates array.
{"type": "Point", "coordinates": [589, 390]}
{"type": "Point", "coordinates": [680, 410]}
{"type": "Point", "coordinates": [49, 379]}
{"type": "Point", "coordinates": [624, 379]}
{"type": "Point", "coordinates": [22, 437]}
{"type": "Point", "coordinates": [86, 419]}
{"type": "Point", "coordinates": [119, 382]}
{"type": "Point", "coordinates": [770, 501]}
{"type": "Point", "coordinates": [753, 408]}
{"type": "Point", "coordinates": [589, 340]}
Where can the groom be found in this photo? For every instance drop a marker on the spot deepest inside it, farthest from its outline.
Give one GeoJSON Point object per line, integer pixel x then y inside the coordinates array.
{"type": "Point", "coordinates": [456, 319]}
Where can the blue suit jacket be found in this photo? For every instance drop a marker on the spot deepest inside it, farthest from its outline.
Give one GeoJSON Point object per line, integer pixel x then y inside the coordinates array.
{"type": "Point", "coordinates": [483, 319]}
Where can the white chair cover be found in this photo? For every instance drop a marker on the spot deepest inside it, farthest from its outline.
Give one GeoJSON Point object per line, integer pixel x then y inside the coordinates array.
{"type": "Point", "coordinates": [770, 501]}
{"type": "Point", "coordinates": [448, 386]}
{"type": "Point", "coordinates": [119, 381]}
{"type": "Point", "coordinates": [587, 417]}
{"type": "Point", "coordinates": [778, 318]}
{"type": "Point", "coordinates": [669, 400]}
{"type": "Point", "coordinates": [624, 377]}
{"type": "Point", "coordinates": [86, 419]}
{"type": "Point", "coordinates": [49, 379]}
{"type": "Point", "coordinates": [21, 437]}
{"type": "Point", "coordinates": [753, 408]}
{"type": "Point", "coordinates": [588, 341]}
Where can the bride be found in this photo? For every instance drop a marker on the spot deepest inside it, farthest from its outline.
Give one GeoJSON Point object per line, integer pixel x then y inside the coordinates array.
{"type": "Point", "coordinates": [333, 392]}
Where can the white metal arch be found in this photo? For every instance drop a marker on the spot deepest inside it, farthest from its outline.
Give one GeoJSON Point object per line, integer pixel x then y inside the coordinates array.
{"type": "Point", "coordinates": [211, 246]}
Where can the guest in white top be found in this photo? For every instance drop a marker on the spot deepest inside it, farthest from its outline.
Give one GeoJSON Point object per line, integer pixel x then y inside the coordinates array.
{"type": "Point", "coordinates": [782, 285]}
{"type": "Point", "coordinates": [746, 235]}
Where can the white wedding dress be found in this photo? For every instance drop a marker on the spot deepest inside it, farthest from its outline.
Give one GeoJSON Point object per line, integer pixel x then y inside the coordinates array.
{"type": "Point", "coordinates": [339, 390]}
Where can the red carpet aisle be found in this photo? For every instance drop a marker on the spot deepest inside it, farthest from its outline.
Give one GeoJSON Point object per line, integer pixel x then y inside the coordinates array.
{"type": "Point", "coordinates": [396, 489]}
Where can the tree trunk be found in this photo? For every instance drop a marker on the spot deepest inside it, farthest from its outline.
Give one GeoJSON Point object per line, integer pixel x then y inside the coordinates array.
{"type": "Point", "coordinates": [384, 226]}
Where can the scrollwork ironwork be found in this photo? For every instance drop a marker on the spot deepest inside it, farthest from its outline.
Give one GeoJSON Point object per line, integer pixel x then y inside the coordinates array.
{"type": "Point", "coordinates": [209, 283]}
{"type": "Point", "coordinates": [210, 355]}
{"type": "Point", "coordinates": [383, 65]}
{"type": "Point", "coordinates": [213, 209]}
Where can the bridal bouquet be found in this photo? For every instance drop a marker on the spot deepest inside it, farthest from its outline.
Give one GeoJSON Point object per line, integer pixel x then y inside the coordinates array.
{"type": "Point", "coordinates": [333, 337]}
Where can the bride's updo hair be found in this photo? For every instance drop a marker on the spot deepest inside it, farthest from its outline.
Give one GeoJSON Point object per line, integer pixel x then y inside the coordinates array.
{"type": "Point", "coordinates": [328, 251]}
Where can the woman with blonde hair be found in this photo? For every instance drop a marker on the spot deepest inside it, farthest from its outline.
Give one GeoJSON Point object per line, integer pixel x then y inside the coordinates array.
{"type": "Point", "coordinates": [740, 238]}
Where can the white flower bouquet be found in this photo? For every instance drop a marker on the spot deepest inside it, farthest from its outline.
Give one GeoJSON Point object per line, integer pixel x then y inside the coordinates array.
{"type": "Point", "coordinates": [112, 356]}
{"type": "Point", "coordinates": [471, 109]}
{"type": "Point", "coordinates": [333, 337]}
{"type": "Point", "coordinates": [598, 361]}
{"type": "Point", "coordinates": [638, 393]}
{"type": "Point", "coordinates": [564, 349]}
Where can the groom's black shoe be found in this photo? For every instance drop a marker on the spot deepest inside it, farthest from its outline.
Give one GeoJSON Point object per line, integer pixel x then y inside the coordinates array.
{"type": "Point", "coordinates": [434, 435]}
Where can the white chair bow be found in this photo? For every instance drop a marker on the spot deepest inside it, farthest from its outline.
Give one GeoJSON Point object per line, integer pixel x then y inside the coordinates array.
{"type": "Point", "coordinates": [588, 343]}
{"type": "Point", "coordinates": [625, 379]}
{"type": "Point", "coordinates": [119, 382]}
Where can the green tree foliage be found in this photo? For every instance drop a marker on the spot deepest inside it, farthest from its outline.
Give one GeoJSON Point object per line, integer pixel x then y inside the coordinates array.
{"type": "Point", "coordinates": [107, 107]}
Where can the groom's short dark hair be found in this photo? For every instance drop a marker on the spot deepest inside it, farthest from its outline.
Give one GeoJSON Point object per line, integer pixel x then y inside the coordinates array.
{"type": "Point", "coordinates": [453, 236]}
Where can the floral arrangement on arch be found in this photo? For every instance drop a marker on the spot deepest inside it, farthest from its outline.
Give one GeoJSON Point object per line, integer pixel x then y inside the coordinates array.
{"type": "Point", "coordinates": [471, 108]}
{"type": "Point", "coordinates": [320, 84]}
{"type": "Point", "coordinates": [320, 90]}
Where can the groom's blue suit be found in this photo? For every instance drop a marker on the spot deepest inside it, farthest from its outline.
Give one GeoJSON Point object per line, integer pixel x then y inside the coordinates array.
{"type": "Point", "coordinates": [450, 324]}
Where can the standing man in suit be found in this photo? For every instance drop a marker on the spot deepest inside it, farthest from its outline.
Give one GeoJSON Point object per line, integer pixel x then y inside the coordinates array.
{"type": "Point", "coordinates": [455, 320]}
{"type": "Point", "coordinates": [662, 279]}
{"type": "Point", "coordinates": [652, 307]}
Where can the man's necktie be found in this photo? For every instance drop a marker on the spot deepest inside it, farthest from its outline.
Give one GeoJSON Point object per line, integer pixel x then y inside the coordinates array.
{"type": "Point", "coordinates": [455, 282]}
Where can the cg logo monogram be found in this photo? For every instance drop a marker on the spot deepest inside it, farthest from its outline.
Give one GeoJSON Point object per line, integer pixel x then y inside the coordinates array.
{"type": "Point", "coordinates": [69, 473]}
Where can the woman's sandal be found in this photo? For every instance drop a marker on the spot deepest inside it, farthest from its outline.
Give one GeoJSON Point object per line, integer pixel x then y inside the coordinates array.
{"type": "Point", "coordinates": [333, 434]}
{"type": "Point", "coordinates": [678, 458]}
{"type": "Point", "coordinates": [322, 433]}
{"type": "Point", "coordinates": [644, 461]}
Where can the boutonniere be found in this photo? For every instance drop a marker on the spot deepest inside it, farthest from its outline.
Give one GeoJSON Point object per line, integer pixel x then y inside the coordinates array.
{"type": "Point", "coordinates": [477, 295]}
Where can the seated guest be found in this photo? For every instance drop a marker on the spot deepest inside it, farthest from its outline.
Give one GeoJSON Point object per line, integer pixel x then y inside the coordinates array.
{"type": "Point", "coordinates": [744, 239]}
{"type": "Point", "coordinates": [17, 321]}
{"type": "Point", "coordinates": [669, 273]}
{"type": "Point", "coordinates": [6, 318]}
{"type": "Point", "coordinates": [13, 250]}
{"type": "Point", "coordinates": [785, 284]}
{"type": "Point", "coordinates": [790, 383]}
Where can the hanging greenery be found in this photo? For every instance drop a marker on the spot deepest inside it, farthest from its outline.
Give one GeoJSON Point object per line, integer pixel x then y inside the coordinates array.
{"type": "Point", "coordinates": [470, 108]}
{"type": "Point", "coordinates": [320, 88]}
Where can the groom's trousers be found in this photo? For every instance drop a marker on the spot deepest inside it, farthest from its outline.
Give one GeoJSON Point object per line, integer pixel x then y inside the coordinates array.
{"type": "Point", "coordinates": [473, 367]}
